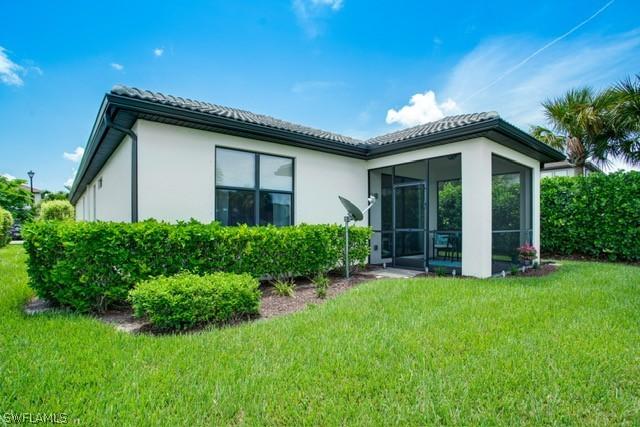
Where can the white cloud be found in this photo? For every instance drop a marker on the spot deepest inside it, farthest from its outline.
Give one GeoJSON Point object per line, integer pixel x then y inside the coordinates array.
{"type": "Point", "coordinates": [311, 12]}
{"type": "Point", "coordinates": [422, 108]}
{"type": "Point", "coordinates": [76, 156]}
{"type": "Point", "coordinates": [8, 176]}
{"type": "Point", "coordinates": [158, 51]}
{"type": "Point", "coordinates": [437, 41]}
{"type": "Point", "coordinates": [117, 67]}
{"type": "Point", "coordinates": [10, 71]}
{"type": "Point", "coordinates": [333, 4]}
{"type": "Point", "coordinates": [69, 182]}
{"type": "Point", "coordinates": [595, 61]}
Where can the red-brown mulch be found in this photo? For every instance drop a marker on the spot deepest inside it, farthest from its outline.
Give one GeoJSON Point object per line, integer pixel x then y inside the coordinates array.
{"type": "Point", "coordinates": [543, 270]}
{"type": "Point", "coordinates": [578, 257]}
{"type": "Point", "coordinates": [273, 305]}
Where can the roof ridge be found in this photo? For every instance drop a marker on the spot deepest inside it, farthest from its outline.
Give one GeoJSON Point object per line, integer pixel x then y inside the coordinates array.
{"type": "Point", "coordinates": [233, 113]}
{"type": "Point", "coordinates": [433, 127]}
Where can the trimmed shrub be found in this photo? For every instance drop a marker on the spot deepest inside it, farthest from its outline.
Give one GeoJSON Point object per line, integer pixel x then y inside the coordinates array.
{"type": "Point", "coordinates": [6, 221]}
{"type": "Point", "coordinates": [597, 215]}
{"type": "Point", "coordinates": [58, 210]}
{"type": "Point", "coordinates": [90, 266]}
{"type": "Point", "coordinates": [187, 300]}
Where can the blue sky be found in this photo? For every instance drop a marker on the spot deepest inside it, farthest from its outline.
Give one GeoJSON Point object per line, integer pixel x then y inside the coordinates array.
{"type": "Point", "coordinates": [360, 68]}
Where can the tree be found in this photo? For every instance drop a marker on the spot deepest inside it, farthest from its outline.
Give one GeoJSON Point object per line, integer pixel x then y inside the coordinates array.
{"type": "Point", "coordinates": [47, 195]}
{"type": "Point", "coordinates": [548, 137]}
{"type": "Point", "coordinates": [625, 118]}
{"type": "Point", "coordinates": [582, 118]}
{"type": "Point", "coordinates": [16, 199]}
{"type": "Point", "coordinates": [595, 126]}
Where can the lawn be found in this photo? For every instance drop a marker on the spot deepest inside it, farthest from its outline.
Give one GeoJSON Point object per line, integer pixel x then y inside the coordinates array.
{"type": "Point", "coordinates": [562, 349]}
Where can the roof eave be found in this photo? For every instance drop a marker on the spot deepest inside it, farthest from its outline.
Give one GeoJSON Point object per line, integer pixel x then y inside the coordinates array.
{"type": "Point", "coordinates": [534, 148]}
{"type": "Point", "coordinates": [236, 127]}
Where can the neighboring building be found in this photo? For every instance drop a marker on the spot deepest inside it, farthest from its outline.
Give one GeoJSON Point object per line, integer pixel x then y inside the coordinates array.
{"type": "Point", "coordinates": [37, 193]}
{"type": "Point", "coordinates": [564, 168]}
{"type": "Point", "coordinates": [151, 155]}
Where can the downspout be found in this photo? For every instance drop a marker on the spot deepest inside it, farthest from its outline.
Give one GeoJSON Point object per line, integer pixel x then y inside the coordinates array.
{"type": "Point", "coordinates": [134, 165]}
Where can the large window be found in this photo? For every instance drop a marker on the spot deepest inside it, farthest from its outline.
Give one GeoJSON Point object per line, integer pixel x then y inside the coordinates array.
{"type": "Point", "coordinates": [253, 188]}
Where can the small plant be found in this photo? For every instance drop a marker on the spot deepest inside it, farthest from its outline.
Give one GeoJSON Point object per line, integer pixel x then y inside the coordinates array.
{"type": "Point", "coordinates": [321, 282]}
{"type": "Point", "coordinates": [284, 288]}
{"type": "Point", "coordinates": [536, 265]}
{"type": "Point", "coordinates": [527, 252]}
{"type": "Point", "coordinates": [187, 300]}
{"type": "Point", "coordinates": [440, 271]}
{"type": "Point", "coordinates": [514, 270]}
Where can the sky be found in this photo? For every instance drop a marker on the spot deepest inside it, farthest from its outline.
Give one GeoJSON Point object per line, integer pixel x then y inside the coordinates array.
{"type": "Point", "coordinates": [359, 68]}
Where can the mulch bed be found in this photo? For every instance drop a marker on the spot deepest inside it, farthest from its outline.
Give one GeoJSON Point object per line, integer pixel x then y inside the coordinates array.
{"type": "Point", "coordinates": [272, 305]}
{"type": "Point", "coordinates": [543, 270]}
{"type": "Point", "coordinates": [587, 258]}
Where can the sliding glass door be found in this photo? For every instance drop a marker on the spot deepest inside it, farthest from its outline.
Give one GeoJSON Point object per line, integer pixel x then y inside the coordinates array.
{"type": "Point", "coordinates": [410, 220]}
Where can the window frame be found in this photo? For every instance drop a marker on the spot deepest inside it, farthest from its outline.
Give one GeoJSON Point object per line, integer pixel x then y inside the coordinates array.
{"type": "Point", "coordinates": [256, 189]}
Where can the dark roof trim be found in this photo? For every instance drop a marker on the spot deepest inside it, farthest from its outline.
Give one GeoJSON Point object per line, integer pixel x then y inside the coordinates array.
{"type": "Point", "coordinates": [566, 165]}
{"type": "Point", "coordinates": [125, 110]}
{"type": "Point", "coordinates": [185, 117]}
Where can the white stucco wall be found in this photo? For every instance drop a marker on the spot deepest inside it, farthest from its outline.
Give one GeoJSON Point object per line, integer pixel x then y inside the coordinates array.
{"type": "Point", "coordinates": [176, 181]}
{"type": "Point", "coordinates": [476, 194]}
{"type": "Point", "coordinates": [113, 199]}
{"type": "Point", "coordinates": [176, 175]}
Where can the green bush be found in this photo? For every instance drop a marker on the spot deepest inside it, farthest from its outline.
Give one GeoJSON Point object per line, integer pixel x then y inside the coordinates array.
{"type": "Point", "coordinates": [92, 265]}
{"type": "Point", "coordinates": [6, 221]}
{"type": "Point", "coordinates": [597, 216]}
{"type": "Point", "coordinates": [186, 300]}
{"type": "Point", "coordinates": [58, 210]}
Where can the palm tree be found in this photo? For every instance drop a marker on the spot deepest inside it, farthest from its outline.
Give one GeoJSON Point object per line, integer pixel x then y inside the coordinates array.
{"type": "Point", "coordinates": [625, 119]}
{"type": "Point", "coordinates": [581, 126]}
{"type": "Point", "coordinates": [548, 137]}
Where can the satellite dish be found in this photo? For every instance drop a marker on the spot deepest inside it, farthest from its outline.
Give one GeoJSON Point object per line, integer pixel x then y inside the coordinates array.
{"type": "Point", "coordinates": [354, 212]}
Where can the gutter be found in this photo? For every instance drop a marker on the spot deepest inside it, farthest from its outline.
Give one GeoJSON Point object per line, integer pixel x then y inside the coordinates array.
{"type": "Point", "coordinates": [134, 165]}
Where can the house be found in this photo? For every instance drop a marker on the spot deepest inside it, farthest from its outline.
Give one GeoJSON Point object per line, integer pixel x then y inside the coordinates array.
{"type": "Point", "coordinates": [151, 155]}
{"type": "Point", "coordinates": [37, 193]}
{"type": "Point", "coordinates": [564, 168]}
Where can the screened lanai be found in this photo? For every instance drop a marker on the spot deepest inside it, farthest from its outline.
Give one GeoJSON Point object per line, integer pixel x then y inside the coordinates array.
{"type": "Point", "coordinates": [417, 221]}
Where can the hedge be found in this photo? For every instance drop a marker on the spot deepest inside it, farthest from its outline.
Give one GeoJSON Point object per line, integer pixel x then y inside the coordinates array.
{"type": "Point", "coordinates": [597, 216]}
{"type": "Point", "coordinates": [187, 300]}
{"type": "Point", "coordinates": [6, 221]}
{"type": "Point", "coordinates": [57, 210]}
{"type": "Point", "coordinates": [91, 266]}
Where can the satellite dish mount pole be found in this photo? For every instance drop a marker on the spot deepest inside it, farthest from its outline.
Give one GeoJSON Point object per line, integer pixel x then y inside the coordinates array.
{"type": "Point", "coordinates": [353, 214]}
{"type": "Point", "coordinates": [347, 218]}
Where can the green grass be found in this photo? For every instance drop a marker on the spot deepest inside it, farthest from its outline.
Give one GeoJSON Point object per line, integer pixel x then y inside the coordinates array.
{"type": "Point", "coordinates": [563, 349]}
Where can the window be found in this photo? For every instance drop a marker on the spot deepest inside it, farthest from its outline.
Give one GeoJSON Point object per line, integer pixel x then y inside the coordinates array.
{"type": "Point", "coordinates": [253, 188]}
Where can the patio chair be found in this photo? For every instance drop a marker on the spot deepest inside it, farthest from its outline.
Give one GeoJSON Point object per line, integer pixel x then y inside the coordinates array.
{"type": "Point", "coordinates": [442, 241]}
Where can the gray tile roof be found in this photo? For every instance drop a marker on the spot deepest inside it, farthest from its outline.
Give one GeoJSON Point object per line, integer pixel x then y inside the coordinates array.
{"type": "Point", "coordinates": [446, 123]}
{"type": "Point", "coordinates": [232, 113]}
{"type": "Point", "coordinates": [431, 128]}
